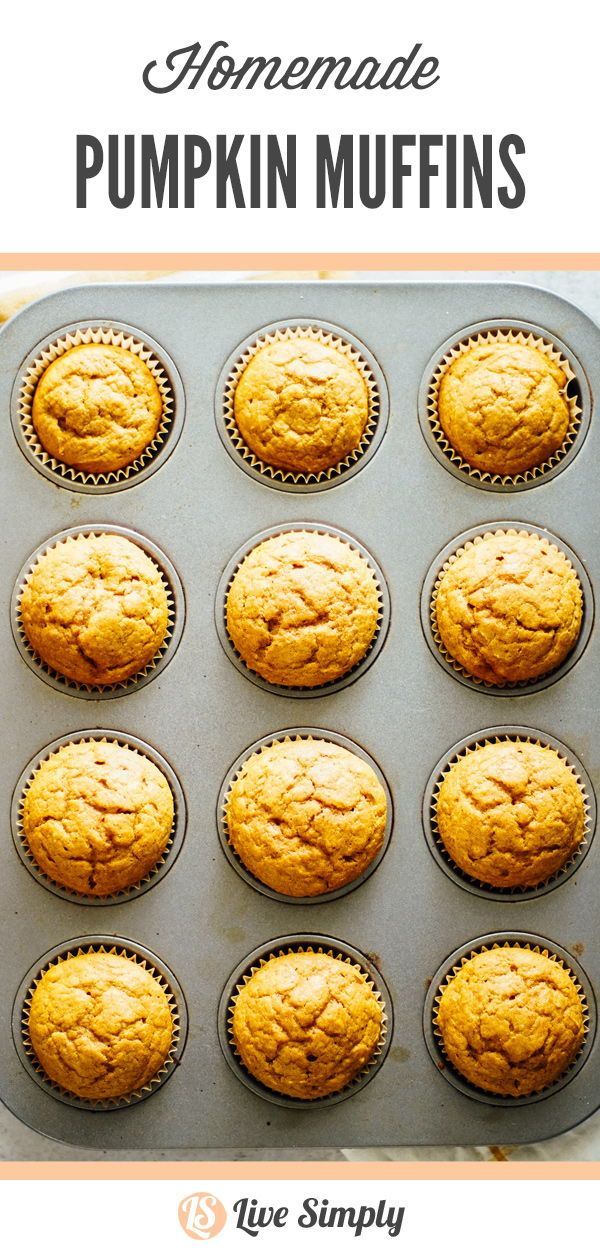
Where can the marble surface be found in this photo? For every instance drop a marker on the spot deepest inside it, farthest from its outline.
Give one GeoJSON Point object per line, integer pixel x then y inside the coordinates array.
{"type": "Point", "coordinates": [17, 1142]}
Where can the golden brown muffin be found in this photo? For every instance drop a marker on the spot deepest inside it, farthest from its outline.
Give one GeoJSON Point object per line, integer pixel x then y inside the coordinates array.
{"type": "Point", "coordinates": [95, 609]}
{"type": "Point", "coordinates": [510, 814]}
{"type": "Point", "coordinates": [100, 1025]}
{"type": "Point", "coordinates": [303, 608]}
{"type": "Point", "coordinates": [504, 407]}
{"type": "Point", "coordinates": [306, 816]}
{"type": "Point", "coordinates": [97, 816]}
{"type": "Point", "coordinates": [509, 607]}
{"type": "Point", "coordinates": [96, 408]}
{"type": "Point", "coordinates": [306, 1024]}
{"type": "Point", "coordinates": [511, 1020]}
{"type": "Point", "coordinates": [301, 405]}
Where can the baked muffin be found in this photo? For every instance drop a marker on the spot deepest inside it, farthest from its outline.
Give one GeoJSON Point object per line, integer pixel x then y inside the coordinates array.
{"type": "Point", "coordinates": [100, 1025]}
{"type": "Point", "coordinates": [306, 1024]}
{"type": "Point", "coordinates": [301, 405]}
{"type": "Point", "coordinates": [504, 407]}
{"type": "Point", "coordinates": [95, 609]}
{"type": "Point", "coordinates": [306, 816]}
{"type": "Point", "coordinates": [509, 607]}
{"type": "Point", "coordinates": [97, 408]}
{"type": "Point", "coordinates": [511, 1020]}
{"type": "Point", "coordinates": [510, 814]}
{"type": "Point", "coordinates": [97, 817]}
{"type": "Point", "coordinates": [303, 608]}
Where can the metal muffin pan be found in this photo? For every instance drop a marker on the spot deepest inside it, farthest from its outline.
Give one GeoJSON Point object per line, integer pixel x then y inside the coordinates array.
{"type": "Point", "coordinates": [202, 919]}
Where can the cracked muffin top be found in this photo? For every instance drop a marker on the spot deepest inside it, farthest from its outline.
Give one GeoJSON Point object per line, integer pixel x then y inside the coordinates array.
{"type": "Point", "coordinates": [504, 407]}
{"type": "Point", "coordinates": [301, 405]}
{"type": "Point", "coordinates": [511, 1020]}
{"type": "Point", "coordinates": [303, 608]}
{"type": "Point", "coordinates": [95, 609]}
{"type": "Point", "coordinates": [100, 1025]}
{"type": "Point", "coordinates": [306, 816]}
{"type": "Point", "coordinates": [510, 814]}
{"type": "Point", "coordinates": [97, 817]}
{"type": "Point", "coordinates": [509, 607]}
{"type": "Point", "coordinates": [96, 408]}
{"type": "Point", "coordinates": [306, 1024]}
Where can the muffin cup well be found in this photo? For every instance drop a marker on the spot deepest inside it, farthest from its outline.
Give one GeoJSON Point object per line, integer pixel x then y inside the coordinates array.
{"type": "Point", "coordinates": [513, 332]}
{"type": "Point", "coordinates": [428, 609]}
{"type": "Point", "coordinates": [452, 965]}
{"type": "Point", "coordinates": [357, 670]}
{"type": "Point", "coordinates": [110, 945]}
{"type": "Point", "coordinates": [167, 379]}
{"type": "Point", "coordinates": [496, 735]}
{"type": "Point", "coordinates": [313, 944]}
{"type": "Point", "coordinates": [166, 652]}
{"type": "Point", "coordinates": [329, 335]}
{"type": "Point", "coordinates": [294, 733]}
{"type": "Point", "coordinates": [174, 843]}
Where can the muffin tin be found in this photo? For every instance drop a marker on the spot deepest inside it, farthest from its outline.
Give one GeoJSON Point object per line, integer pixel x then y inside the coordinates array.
{"type": "Point", "coordinates": [200, 507]}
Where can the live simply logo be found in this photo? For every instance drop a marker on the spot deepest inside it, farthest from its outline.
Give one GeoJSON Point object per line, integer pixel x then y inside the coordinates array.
{"type": "Point", "coordinates": [203, 1216]}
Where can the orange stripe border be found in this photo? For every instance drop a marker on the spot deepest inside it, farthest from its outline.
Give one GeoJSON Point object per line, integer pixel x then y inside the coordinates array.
{"type": "Point", "coordinates": [299, 1171]}
{"type": "Point", "coordinates": [301, 261]}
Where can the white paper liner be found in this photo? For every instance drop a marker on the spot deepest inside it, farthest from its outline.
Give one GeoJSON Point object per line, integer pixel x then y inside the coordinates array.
{"type": "Point", "coordinates": [106, 336]}
{"type": "Point", "coordinates": [536, 949]}
{"type": "Point", "coordinates": [98, 688]}
{"type": "Point", "coordinates": [437, 638]}
{"type": "Point", "coordinates": [122, 1100]}
{"type": "Point", "coordinates": [327, 339]}
{"type": "Point", "coordinates": [511, 337]}
{"type": "Point", "coordinates": [340, 957]}
{"type": "Point", "coordinates": [550, 879]}
{"type": "Point", "coordinates": [85, 898]}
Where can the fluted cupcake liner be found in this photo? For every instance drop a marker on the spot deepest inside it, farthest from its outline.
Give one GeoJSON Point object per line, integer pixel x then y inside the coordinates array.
{"type": "Point", "coordinates": [176, 616]}
{"type": "Point", "coordinates": [172, 847]}
{"type": "Point", "coordinates": [123, 949]}
{"type": "Point", "coordinates": [337, 684]}
{"type": "Point", "coordinates": [307, 944]}
{"type": "Point", "coordinates": [294, 735]}
{"type": "Point", "coordinates": [327, 335]}
{"type": "Point", "coordinates": [429, 613]}
{"type": "Point", "coordinates": [504, 735]}
{"type": "Point", "coordinates": [510, 336]}
{"type": "Point", "coordinates": [106, 335]}
{"type": "Point", "coordinates": [453, 966]}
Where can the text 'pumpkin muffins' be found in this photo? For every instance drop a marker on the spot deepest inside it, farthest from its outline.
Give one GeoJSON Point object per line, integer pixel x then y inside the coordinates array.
{"type": "Point", "coordinates": [97, 408]}
{"type": "Point", "coordinates": [303, 608]}
{"type": "Point", "coordinates": [510, 813]}
{"type": "Point", "coordinates": [95, 609]}
{"type": "Point", "coordinates": [511, 1020]}
{"type": "Point", "coordinates": [100, 1025]}
{"type": "Point", "coordinates": [503, 406]}
{"type": "Point", "coordinates": [301, 404]}
{"type": "Point", "coordinates": [97, 817]}
{"type": "Point", "coordinates": [306, 816]}
{"type": "Point", "coordinates": [306, 1024]}
{"type": "Point", "coordinates": [509, 607]}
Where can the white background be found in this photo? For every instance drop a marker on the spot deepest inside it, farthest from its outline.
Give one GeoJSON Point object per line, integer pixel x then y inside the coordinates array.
{"type": "Point", "coordinates": [65, 1220]}
{"type": "Point", "coordinates": [517, 67]}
